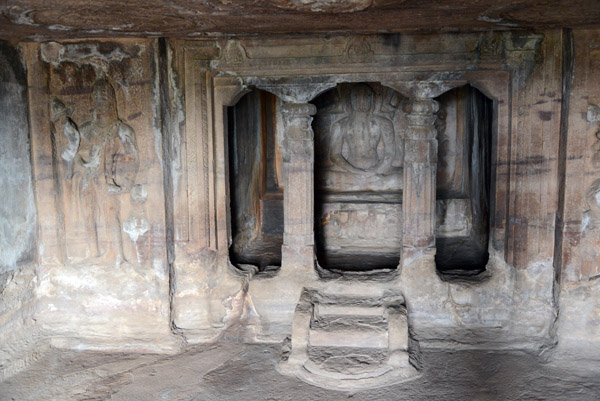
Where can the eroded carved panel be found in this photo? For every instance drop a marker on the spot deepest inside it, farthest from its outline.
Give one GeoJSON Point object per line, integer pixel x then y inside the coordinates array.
{"type": "Point", "coordinates": [591, 219]}
{"type": "Point", "coordinates": [358, 135]}
{"type": "Point", "coordinates": [100, 169]}
{"type": "Point", "coordinates": [101, 163]}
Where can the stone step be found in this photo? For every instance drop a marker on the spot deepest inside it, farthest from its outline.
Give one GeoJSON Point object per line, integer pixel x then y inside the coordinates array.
{"type": "Point", "coordinates": [348, 310]}
{"type": "Point", "coordinates": [356, 338]}
{"type": "Point", "coordinates": [337, 317]}
{"type": "Point", "coordinates": [346, 371]}
{"type": "Point", "coordinates": [333, 322]}
{"type": "Point", "coordinates": [348, 360]}
{"type": "Point", "coordinates": [320, 354]}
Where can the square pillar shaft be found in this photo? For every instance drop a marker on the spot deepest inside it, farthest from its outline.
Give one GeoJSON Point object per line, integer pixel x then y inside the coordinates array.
{"type": "Point", "coordinates": [420, 169]}
{"type": "Point", "coordinates": [298, 196]}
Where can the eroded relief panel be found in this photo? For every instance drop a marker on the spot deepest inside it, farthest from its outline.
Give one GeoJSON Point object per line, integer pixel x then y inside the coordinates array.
{"type": "Point", "coordinates": [359, 148]}
{"type": "Point", "coordinates": [592, 195]}
{"type": "Point", "coordinates": [581, 238]}
{"type": "Point", "coordinates": [101, 163]}
{"type": "Point", "coordinates": [96, 157]}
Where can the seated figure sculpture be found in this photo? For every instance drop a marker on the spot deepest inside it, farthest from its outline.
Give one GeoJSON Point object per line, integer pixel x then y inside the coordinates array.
{"type": "Point", "coordinates": [361, 148]}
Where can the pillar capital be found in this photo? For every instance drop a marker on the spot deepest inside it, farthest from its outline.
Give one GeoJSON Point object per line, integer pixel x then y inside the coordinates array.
{"type": "Point", "coordinates": [298, 134]}
{"type": "Point", "coordinates": [298, 109]}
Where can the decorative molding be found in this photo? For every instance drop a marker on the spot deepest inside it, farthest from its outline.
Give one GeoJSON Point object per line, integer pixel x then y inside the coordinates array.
{"type": "Point", "coordinates": [299, 91]}
{"type": "Point", "coordinates": [359, 49]}
{"type": "Point", "coordinates": [234, 53]}
{"type": "Point", "coordinates": [229, 90]}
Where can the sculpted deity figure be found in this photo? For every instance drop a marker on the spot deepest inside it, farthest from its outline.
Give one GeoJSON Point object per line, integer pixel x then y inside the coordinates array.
{"type": "Point", "coordinates": [102, 159]}
{"type": "Point", "coordinates": [592, 196]}
{"type": "Point", "coordinates": [355, 144]}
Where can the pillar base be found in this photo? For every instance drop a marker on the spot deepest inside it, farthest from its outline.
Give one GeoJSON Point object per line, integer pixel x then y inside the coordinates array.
{"type": "Point", "coordinates": [300, 257]}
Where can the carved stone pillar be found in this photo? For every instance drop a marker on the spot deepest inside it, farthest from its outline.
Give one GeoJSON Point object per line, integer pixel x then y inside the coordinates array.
{"type": "Point", "coordinates": [298, 195]}
{"type": "Point", "coordinates": [420, 165]}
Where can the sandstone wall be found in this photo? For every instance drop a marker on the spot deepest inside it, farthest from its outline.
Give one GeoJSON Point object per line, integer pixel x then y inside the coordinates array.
{"type": "Point", "coordinates": [103, 274]}
{"type": "Point", "coordinates": [17, 209]}
{"type": "Point", "coordinates": [579, 318]}
{"type": "Point", "coordinates": [130, 174]}
{"type": "Point", "coordinates": [17, 218]}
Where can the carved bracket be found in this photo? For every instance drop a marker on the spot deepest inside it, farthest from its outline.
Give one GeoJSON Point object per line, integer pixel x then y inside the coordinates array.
{"type": "Point", "coordinates": [299, 91]}
{"type": "Point", "coordinates": [433, 86]}
{"type": "Point", "coordinates": [229, 90]}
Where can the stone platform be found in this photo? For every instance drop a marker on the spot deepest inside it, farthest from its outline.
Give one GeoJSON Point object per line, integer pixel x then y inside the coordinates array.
{"type": "Point", "coordinates": [235, 371]}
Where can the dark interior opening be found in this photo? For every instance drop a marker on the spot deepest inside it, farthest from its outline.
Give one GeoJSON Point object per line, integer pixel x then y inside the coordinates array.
{"type": "Point", "coordinates": [465, 125]}
{"type": "Point", "coordinates": [255, 180]}
{"type": "Point", "coordinates": [358, 177]}
{"type": "Point", "coordinates": [359, 151]}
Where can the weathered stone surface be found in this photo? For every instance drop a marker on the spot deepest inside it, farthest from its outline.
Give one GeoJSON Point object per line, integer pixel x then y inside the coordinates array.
{"type": "Point", "coordinates": [131, 177]}
{"type": "Point", "coordinates": [579, 310]}
{"type": "Point", "coordinates": [20, 342]}
{"type": "Point", "coordinates": [102, 276]}
{"type": "Point", "coordinates": [188, 18]}
{"type": "Point", "coordinates": [235, 371]}
{"type": "Point", "coordinates": [17, 211]}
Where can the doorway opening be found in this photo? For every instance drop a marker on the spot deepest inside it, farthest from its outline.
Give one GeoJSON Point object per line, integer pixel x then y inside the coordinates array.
{"type": "Point", "coordinates": [463, 210]}
{"type": "Point", "coordinates": [255, 180]}
{"type": "Point", "coordinates": [358, 177]}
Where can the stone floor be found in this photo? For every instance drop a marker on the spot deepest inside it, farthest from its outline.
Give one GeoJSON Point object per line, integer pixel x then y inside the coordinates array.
{"type": "Point", "coordinates": [234, 371]}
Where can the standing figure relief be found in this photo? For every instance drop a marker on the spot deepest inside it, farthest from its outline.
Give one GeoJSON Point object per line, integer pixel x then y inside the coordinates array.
{"type": "Point", "coordinates": [105, 145]}
{"type": "Point", "coordinates": [102, 162]}
{"type": "Point", "coordinates": [592, 195]}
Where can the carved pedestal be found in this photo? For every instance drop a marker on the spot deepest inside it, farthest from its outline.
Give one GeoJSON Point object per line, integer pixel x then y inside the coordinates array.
{"type": "Point", "coordinates": [298, 236]}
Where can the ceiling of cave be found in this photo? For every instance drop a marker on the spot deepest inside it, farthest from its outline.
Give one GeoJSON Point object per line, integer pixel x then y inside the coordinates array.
{"type": "Point", "coordinates": [55, 19]}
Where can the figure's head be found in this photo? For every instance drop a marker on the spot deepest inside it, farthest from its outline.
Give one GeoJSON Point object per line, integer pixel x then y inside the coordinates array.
{"type": "Point", "coordinates": [105, 101]}
{"type": "Point", "coordinates": [362, 98]}
{"type": "Point", "coordinates": [58, 110]}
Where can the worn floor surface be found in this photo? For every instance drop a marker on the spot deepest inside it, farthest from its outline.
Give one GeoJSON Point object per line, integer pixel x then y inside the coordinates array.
{"type": "Point", "coordinates": [233, 371]}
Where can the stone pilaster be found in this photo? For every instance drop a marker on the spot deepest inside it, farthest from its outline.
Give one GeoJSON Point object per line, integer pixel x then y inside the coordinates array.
{"type": "Point", "coordinates": [298, 237]}
{"type": "Point", "coordinates": [420, 165]}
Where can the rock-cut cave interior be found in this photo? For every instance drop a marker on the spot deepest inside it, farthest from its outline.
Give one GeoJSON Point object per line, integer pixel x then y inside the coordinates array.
{"type": "Point", "coordinates": [300, 200]}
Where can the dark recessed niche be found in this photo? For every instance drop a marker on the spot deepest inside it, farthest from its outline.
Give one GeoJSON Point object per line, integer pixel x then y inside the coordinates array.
{"type": "Point", "coordinates": [358, 177]}
{"type": "Point", "coordinates": [359, 151]}
{"type": "Point", "coordinates": [465, 126]}
{"type": "Point", "coordinates": [255, 178]}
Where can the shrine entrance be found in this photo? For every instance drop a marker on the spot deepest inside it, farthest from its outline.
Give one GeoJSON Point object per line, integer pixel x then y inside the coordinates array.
{"type": "Point", "coordinates": [359, 133]}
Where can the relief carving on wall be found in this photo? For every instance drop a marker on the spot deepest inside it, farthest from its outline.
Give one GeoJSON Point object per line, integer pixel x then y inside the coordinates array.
{"type": "Point", "coordinates": [592, 195]}
{"type": "Point", "coordinates": [359, 147]}
{"type": "Point", "coordinates": [101, 159]}
{"type": "Point", "coordinates": [359, 50]}
{"type": "Point", "coordinates": [234, 53]}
